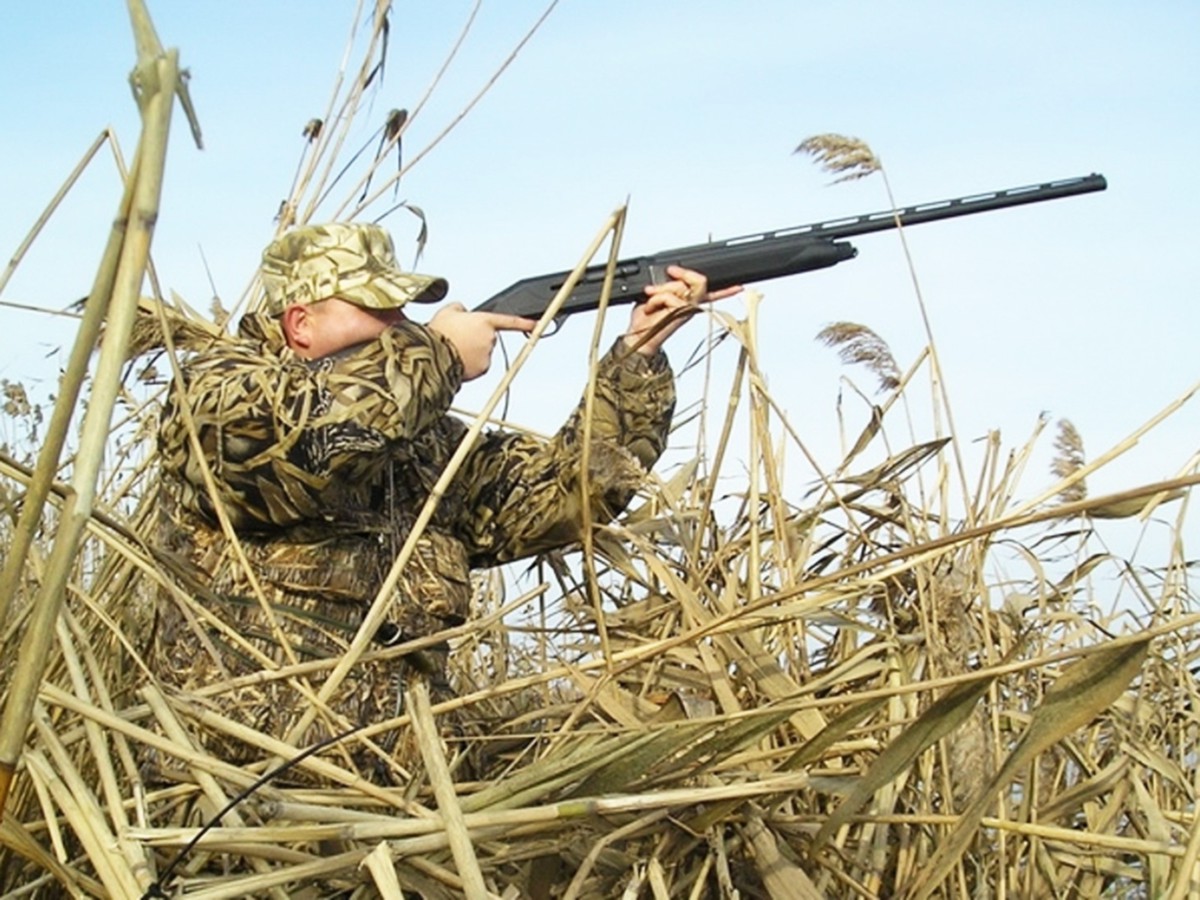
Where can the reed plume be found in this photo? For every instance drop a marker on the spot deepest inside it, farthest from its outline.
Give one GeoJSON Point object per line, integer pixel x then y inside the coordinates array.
{"type": "Point", "coordinates": [1068, 459]}
{"type": "Point", "coordinates": [837, 154]}
{"type": "Point", "coordinates": [859, 345]}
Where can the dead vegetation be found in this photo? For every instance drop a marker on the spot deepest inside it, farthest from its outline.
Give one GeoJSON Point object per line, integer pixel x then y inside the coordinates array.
{"type": "Point", "coordinates": [885, 687]}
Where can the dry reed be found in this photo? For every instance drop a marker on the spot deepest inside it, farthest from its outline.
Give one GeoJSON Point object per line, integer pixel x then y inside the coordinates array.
{"type": "Point", "coordinates": [856, 696]}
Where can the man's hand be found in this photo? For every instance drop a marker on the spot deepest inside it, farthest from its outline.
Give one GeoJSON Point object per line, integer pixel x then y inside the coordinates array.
{"type": "Point", "coordinates": [473, 334]}
{"type": "Point", "coordinates": [667, 306]}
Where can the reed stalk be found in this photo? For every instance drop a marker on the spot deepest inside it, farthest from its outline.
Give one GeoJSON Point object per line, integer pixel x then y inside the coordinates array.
{"type": "Point", "coordinates": [854, 688]}
{"type": "Point", "coordinates": [157, 77]}
{"type": "Point", "coordinates": [439, 776]}
{"type": "Point", "coordinates": [71, 384]}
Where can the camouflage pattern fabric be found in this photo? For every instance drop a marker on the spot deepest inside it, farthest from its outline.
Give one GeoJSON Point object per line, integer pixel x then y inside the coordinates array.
{"type": "Point", "coordinates": [323, 466]}
{"type": "Point", "coordinates": [351, 260]}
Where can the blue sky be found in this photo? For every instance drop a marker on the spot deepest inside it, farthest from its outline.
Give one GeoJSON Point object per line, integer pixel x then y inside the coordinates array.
{"type": "Point", "coordinates": [1083, 308]}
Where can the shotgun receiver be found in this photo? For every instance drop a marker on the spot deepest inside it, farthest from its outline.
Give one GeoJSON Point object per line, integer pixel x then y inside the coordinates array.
{"type": "Point", "coordinates": [757, 257]}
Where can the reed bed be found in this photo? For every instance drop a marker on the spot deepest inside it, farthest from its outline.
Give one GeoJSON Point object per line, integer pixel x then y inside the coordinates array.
{"type": "Point", "coordinates": [911, 679]}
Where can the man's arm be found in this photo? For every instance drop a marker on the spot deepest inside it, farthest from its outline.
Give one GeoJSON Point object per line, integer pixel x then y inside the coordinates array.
{"type": "Point", "coordinates": [523, 496]}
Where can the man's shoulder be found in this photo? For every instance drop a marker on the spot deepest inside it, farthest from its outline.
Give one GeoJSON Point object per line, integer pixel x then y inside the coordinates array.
{"type": "Point", "coordinates": [253, 344]}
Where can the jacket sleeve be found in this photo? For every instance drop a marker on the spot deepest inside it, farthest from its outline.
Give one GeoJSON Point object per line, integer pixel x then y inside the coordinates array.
{"type": "Point", "coordinates": [524, 495]}
{"type": "Point", "coordinates": [290, 440]}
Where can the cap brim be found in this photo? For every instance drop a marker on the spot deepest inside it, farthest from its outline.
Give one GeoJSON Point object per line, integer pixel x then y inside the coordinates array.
{"type": "Point", "coordinates": [436, 288]}
{"type": "Point", "coordinates": [393, 289]}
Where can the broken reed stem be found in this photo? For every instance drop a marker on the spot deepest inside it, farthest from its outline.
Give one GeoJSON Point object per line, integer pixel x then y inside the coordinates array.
{"type": "Point", "coordinates": [328, 141]}
{"type": "Point", "coordinates": [158, 77]}
{"type": "Point", "coordinates": [107, 850]}
{"type": "Point", "coordinates": [1056, 833]}
{"type": "Point", "coordinates": [1188, 872]}
{"type": "Point", "coordinates": [70, 385]}
{"type": "Point", "coordinates": [395, 178]}
{"type": "Point", "coordinates": [234, 888]}
{"type": "Point", "coordinates": [397, 829]}
{"type": "Point", "coordinates": [55, 201]}
{"type": "Point", "coordinates": [708, 487]}
{"type": "Point", "coordinates": [383, 870]}
{"type": "Point", "coordinates": [585, 454]}
{"type": "Point", "coordinates": [585, 868]}
{"type": "Point", "coordinates": [282, 750]}
{"type": "Point", "coordinates": [96, 738]}
{"type": "Point", "coordinates": [208, 784]}
{"type": "Point", "coordinates": [386, 148]}
{"type": "Point", "coordinates": [754, 513]}
{"type": "Point", "coordinates": [443, 788]}
{"type": "Point", "coordinates": [235, 775]}
{"type": "Point", "coordinates": [779, 874]}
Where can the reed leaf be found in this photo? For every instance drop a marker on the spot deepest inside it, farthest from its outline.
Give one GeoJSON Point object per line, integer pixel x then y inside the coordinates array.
{"type": "Point", "coordinates": [946, 714]}
{"type": "Point", "coordinates": [1133, 506]}
{"type": "Point", "coordinates": [1084, 689]}
{"type": "Point", "coordinates": [672, 710]}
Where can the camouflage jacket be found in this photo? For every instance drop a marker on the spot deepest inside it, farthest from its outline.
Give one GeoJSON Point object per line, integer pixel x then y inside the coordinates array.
{"type": "Point", "coordinates": [322, 467]}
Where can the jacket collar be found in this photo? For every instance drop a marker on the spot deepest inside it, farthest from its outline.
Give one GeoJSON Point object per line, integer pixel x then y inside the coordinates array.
{"type": "Point", "coordinates": [264, 329]}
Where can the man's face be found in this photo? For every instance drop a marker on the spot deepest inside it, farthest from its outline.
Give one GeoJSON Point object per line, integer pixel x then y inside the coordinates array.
{"type": "Point", "coordinates": [321, 329]}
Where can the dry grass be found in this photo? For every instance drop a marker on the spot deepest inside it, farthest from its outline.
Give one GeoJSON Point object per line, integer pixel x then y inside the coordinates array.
{"type": "Point", "coordinates": [864, 694]}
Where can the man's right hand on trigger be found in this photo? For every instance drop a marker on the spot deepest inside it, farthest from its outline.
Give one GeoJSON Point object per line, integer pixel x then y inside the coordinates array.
{"type": "Point", "coordinates": [473, 334]}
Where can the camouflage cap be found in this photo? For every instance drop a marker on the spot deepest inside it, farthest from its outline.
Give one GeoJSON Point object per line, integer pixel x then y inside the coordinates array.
{"type": "Point", "coordinates": [351, 260]}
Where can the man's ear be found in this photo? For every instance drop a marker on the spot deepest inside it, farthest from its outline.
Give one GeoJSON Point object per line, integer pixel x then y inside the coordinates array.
{"type": "Point", "coordinates": [297, 325]}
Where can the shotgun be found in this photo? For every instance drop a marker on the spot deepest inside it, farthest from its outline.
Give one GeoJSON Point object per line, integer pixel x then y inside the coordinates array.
{"type": "Point", "coordinates": [770, 254]}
